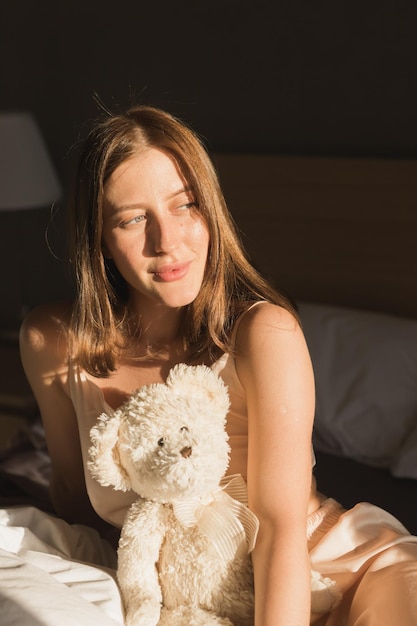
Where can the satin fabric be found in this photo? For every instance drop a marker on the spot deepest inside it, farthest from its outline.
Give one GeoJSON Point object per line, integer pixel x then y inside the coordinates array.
{"type": "Point", "coordinates": [373, 560]}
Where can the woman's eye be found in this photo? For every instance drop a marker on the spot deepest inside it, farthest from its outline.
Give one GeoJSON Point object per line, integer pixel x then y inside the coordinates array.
{"type": "Point", "coordinates": [188, 205]}
{"type": "Point", "coordinates": [134, 220]}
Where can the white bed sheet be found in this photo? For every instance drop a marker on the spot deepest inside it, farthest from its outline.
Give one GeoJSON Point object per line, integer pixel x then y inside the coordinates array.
{"type": "Point", "coordinates": [55, 573]}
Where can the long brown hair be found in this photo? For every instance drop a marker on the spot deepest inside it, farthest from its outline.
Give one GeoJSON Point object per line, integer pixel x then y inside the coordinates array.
{"type": "Point", "coordinates": [99, 317]}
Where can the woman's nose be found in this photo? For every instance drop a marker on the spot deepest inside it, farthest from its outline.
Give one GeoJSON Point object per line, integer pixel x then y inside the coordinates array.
{"type": "Point", "coordinates": [165, 235]}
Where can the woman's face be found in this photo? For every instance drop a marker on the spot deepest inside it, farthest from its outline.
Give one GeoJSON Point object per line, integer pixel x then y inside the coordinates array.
{"type": "Point", "coordinates": [153, 232]}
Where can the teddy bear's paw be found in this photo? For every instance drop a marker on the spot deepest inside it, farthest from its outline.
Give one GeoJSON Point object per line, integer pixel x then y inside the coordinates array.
{"type": "Point", "coordinates": [325, 594]}
{"type": "Point", "coordinates": [191, 616]}
{"type": "Point", "coordinates": [145, 614]}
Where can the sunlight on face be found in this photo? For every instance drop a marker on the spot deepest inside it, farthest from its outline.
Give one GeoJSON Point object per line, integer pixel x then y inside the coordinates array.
{"type": "Point", "coordinates": [153, 231]}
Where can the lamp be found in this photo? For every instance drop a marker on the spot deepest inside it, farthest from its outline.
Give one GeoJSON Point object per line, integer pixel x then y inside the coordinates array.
{"type": "Point", "coordinates": [27, 177]}
{"type": "Point", "coordinates": [27, 181]}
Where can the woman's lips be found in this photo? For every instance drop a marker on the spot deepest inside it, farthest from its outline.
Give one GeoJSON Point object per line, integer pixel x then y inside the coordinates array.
{"type": "Point", "coordinates": [170, 273]}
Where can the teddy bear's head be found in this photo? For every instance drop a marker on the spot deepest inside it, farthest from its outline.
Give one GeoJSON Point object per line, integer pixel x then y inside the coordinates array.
{"type": "Point", "coordinates": [168, 440]}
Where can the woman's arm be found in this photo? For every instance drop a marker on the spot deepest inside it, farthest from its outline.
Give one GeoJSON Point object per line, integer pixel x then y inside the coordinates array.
{"type": "Point", "coordinates": [274, 367]}
{"type": "Point", "coordinates": [43, 347]}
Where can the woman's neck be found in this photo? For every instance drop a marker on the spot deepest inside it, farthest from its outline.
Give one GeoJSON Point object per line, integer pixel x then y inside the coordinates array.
{"type": "Point", "coordinates": [155, 330]}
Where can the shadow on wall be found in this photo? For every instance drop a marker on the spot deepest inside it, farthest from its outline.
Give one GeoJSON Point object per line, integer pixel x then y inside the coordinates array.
{"type": "Point", "coordinates": [32, 261]}
{"type": "Point", "coordinates": [289, 78]}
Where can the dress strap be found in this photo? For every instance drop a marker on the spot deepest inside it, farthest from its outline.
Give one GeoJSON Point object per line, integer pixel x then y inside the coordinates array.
{"type": "Point", "coordinates": [240, 318]}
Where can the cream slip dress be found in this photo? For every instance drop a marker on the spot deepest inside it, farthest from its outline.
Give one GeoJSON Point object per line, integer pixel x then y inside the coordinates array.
{"type": "Point", "coordinates": [366, 551]}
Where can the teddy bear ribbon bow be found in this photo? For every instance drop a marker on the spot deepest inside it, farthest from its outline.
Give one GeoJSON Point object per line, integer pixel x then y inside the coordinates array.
{"type": "Point", "coordinates": [223, 517]}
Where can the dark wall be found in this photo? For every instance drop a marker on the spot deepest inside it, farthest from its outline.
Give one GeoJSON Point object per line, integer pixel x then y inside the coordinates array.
{"type": "Point", "coordinates": [290, 77]}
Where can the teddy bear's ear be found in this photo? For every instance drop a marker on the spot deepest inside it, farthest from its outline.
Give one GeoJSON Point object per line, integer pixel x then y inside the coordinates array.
{"type": "Point", "coordinates": [104, 463]}
{"type": "Point", "coordinates": [200, 381]}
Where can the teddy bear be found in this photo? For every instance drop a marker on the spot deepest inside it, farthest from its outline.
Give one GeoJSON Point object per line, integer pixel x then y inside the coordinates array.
{"type": "Point", "coordinates": [184, 550]}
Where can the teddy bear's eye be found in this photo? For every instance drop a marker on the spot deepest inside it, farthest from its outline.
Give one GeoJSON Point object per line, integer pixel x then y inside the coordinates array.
{"type": "Point", "coordinates": [184, 429]}
{"type": "Point", "coordinates": [161, 442]}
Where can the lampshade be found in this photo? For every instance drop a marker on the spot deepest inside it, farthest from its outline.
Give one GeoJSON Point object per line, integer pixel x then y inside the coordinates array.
{"type": "Point", "coordinates": [27, 176]}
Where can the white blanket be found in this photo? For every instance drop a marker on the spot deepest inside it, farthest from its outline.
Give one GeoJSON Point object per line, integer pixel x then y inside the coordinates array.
{"type": "Point", "coordinates": [53, 573]}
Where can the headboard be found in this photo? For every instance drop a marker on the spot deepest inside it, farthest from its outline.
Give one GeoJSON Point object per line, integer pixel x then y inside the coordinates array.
{"type": "Point", "coordinates": [329, 230]}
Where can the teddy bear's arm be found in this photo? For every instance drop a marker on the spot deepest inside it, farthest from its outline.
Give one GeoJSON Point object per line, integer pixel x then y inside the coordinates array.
{"type": "Point", "coordinates": [138, 555]}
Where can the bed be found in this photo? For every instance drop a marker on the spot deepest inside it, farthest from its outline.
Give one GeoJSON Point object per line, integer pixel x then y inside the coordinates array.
{"type": "Point", "coordinates": [338, 237]}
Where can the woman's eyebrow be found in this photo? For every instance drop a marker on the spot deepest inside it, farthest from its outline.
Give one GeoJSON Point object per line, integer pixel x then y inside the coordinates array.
{"type": "Point", "coordinates": [141, 205]}
{"type": "Point", "coordinates": [119, 209]}
{"type": "Point", "coordinates": [179, 192]}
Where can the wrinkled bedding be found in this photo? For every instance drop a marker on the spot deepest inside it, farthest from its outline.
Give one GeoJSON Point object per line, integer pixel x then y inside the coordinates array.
{"type": "Point", "coordinates": [25, 468]}
{"type": "Point", "coordinates": [51, 573]}
{"type": "Point", "coordinates": [55, 573]}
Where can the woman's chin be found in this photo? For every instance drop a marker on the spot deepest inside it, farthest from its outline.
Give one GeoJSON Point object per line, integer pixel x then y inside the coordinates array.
{"type": "Point", "coordinates": [178, 298]}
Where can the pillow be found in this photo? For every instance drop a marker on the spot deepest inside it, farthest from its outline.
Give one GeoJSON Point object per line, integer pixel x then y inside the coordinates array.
{"type": "Point", "coordinates": [366, 383]}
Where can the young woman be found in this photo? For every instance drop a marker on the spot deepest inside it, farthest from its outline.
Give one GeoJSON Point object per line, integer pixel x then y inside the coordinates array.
{"type": "Point", "coordinates": [162, 279]}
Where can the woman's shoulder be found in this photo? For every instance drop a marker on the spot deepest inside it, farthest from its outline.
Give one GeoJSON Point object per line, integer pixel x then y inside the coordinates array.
{"type": "Point", "coordinates": [269, 336]}
{"type": "Point", "coordinates": [44, 330]}
{"type": "Point", "coordinates": [265, 317]}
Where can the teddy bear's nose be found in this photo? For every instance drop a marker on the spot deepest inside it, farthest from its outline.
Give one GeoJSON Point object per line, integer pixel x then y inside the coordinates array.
{"type": "Point", "coordinates": [186, 452]}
